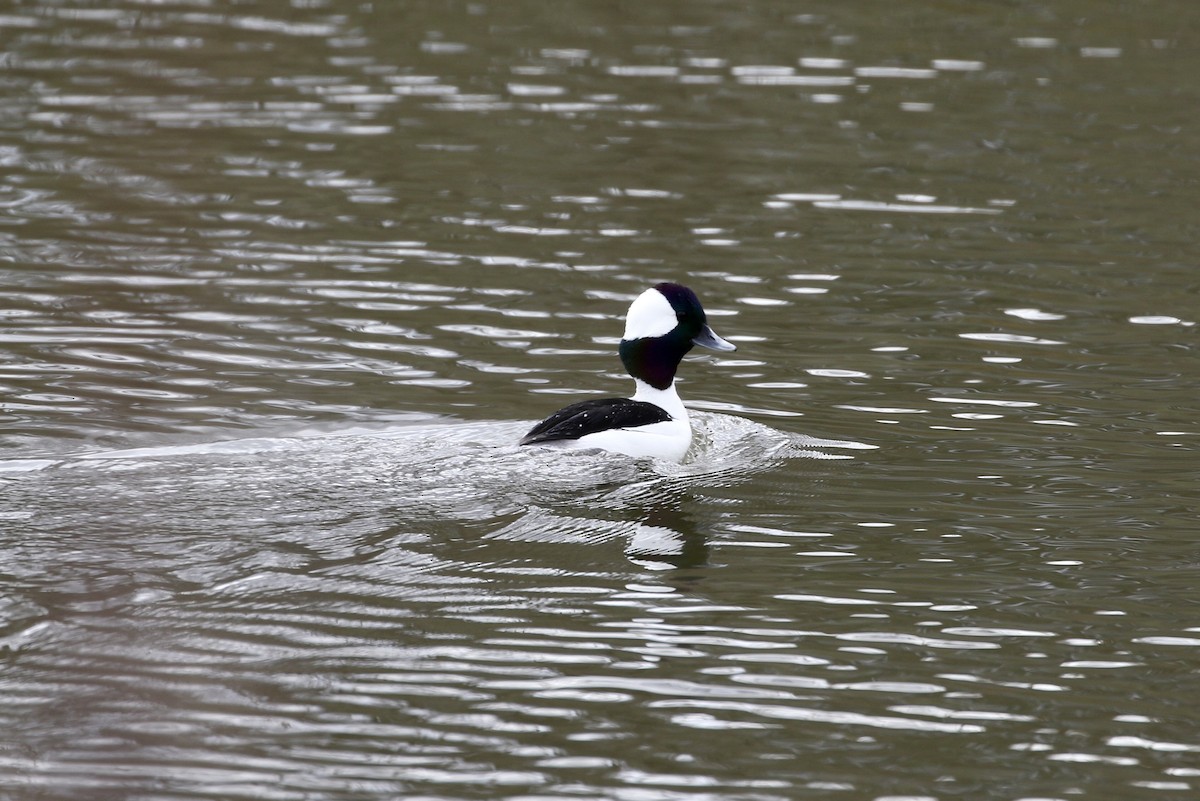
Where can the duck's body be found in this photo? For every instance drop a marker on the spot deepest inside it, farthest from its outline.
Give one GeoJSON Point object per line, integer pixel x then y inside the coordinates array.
{"type": "Point", "coordinates": [652, 423]}
{"type": "Point", "coordinates": [661, 327]}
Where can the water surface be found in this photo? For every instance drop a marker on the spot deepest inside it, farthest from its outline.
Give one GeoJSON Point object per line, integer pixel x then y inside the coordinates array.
{"type": "Point", "coordinates": [283, 283]}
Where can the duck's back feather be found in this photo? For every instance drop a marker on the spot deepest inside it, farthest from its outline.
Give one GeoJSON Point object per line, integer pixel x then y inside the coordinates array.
{"type": "Point", "coordinates": [593, 416]}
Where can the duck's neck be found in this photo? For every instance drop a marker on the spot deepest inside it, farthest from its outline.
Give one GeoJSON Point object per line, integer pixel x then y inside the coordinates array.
{"type": "Point", "coordinates": [654, 360]}
{"type": "Point", "coordinates": [666, 399]}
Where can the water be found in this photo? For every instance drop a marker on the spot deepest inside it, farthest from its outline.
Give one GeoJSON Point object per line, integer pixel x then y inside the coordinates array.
{"type": "Point", "coordinates": [283, 283]}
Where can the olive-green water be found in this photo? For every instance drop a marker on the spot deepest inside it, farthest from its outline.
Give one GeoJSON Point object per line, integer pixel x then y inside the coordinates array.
{"type": "Point", "coordinates": [281, 285]}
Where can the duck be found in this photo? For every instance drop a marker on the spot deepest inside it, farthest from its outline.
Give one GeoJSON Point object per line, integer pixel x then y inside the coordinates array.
{"type": "Point", "coordinates": [662, 325]}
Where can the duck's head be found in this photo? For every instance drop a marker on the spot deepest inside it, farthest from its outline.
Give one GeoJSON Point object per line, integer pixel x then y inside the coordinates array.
{"type": "Point", "coordinates": [662, 325]}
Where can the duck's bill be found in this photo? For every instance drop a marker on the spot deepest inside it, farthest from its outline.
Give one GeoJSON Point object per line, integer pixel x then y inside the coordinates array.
{"type": "Point", "coordinates": [708, 338]}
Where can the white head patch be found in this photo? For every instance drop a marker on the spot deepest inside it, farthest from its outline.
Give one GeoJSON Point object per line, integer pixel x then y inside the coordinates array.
{"type": "Point", "coordinates": [650, 315]}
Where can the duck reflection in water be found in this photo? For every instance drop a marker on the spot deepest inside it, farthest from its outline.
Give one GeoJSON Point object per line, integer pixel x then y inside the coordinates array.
{"type": "Point", "coordinates": [668, 537]}
{"type": "Point", "coordinates": [665, 534]}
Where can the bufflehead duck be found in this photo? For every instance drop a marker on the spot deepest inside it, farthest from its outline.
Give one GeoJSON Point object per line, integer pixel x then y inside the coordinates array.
{"type": "Point", "coordinates": [662, 325]}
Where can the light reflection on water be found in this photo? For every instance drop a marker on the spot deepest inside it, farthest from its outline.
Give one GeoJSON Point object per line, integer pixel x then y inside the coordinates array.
{"type": "Point", "coordinates": [283, 283]}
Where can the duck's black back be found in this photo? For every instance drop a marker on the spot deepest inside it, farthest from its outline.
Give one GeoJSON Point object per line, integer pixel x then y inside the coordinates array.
{"type": "Point", "coordinates": [593, 416]}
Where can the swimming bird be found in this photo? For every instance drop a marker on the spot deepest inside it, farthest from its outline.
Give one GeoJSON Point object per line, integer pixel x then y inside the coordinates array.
{"type": "Point", "coordinates": [662, 325]}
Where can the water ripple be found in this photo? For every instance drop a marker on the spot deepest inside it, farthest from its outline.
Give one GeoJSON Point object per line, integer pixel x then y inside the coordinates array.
{"type": "Point", "coordinates": [284, 283]}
